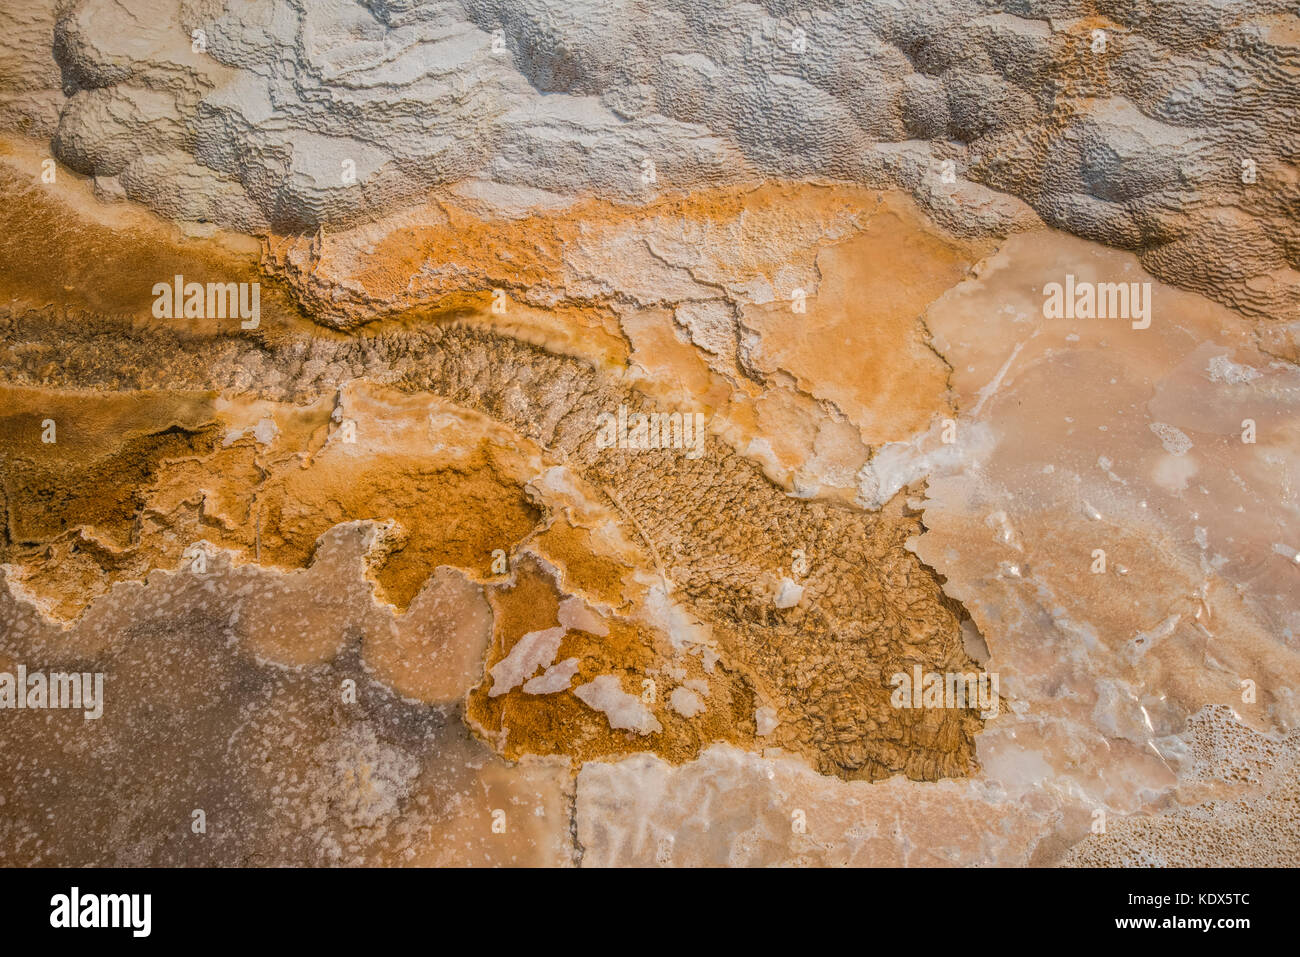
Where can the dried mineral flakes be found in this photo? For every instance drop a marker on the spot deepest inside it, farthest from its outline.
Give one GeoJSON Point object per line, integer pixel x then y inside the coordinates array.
{"type": "Point", "coordinates": [686, 702]}
{"type": "Point", "coordinates": [788, 594]}
{"type": "Point", "coordinates": [605, 693]}
{"type": "Point", "coordinates": [533, 651]}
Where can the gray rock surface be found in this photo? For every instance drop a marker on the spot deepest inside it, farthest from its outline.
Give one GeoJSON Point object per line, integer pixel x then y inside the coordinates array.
{"type": "Point", "coordinates": [286, 114]}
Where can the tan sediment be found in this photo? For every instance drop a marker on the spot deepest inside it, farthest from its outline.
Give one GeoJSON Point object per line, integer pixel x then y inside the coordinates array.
{"type": "Point", "coordinates": [790, 313]}
{"type": "Point", "coordinates": [713, 536]}
{"type": "Point", "coordinates": [860, 346]}
{"type": "Point", "coordinates": [285, 544]}
{"type": "Point", "coordinates": [584, 565]}
{"type": "Point", "coordinates": [136, 501]}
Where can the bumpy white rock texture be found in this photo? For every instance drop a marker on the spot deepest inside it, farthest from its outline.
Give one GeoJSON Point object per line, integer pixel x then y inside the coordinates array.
{"type": "Point", "coordinates": [1138, 123]}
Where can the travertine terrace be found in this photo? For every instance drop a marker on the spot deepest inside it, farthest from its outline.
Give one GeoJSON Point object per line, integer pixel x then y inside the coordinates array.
{"type": "Point", "coordinates": [648, 436]}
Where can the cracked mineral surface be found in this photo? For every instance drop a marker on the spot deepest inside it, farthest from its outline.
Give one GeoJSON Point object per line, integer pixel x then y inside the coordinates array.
{"type": "Point", "coordinates": [519, 433]}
